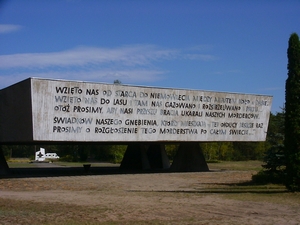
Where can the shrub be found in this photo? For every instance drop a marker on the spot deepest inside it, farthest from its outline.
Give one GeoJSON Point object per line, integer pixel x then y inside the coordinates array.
{"type": "Point", "coordinates": [269, 177]}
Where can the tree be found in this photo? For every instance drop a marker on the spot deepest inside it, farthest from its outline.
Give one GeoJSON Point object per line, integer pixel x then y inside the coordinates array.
{"type": "Point", "coordinates": [292, 115]}
{"type": "Point", "coordinates": [274, 157]}
{"type": "Point", "coordinates": [248, 151]}
{"type": "Point", "coordinates": [118, 82]}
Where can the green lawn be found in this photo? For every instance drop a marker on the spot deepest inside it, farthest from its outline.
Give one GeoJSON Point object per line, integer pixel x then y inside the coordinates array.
{"type": "Point", "coordinates": [222, 165]}
{"type": "Point", "coordinates": [236, 165]}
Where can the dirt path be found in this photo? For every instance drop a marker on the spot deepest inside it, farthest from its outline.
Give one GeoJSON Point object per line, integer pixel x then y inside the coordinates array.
{"type": "Point", "coordinates": [160, 198]}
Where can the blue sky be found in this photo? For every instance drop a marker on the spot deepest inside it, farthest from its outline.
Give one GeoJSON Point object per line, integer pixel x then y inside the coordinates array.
{"type": "Point", "coordinates": [232, 46]}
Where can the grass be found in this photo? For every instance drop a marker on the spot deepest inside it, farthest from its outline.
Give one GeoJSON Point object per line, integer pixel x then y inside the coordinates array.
{"type": "Point", "coordinates": [27, 163]}
{"type": "Point", "coordinates": [254, 165]}
{"type": "Point", "coordinates": [20, 165]}
{"type": "Point", "coordinates": [278, 196]}
{"type": "Point", "coordinates": [28, 212]}
{"type": "Point", "coordinates": [79, 164]}
{"type": "Point", "coordinates": [220, 165]}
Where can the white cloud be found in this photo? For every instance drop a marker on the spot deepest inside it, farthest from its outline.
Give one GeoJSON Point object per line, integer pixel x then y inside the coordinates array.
{"type": "Point", "coordinates": [128, 56]}
{"type": "Point", "coordinates": [130, 64]}
{"type": "Point", "coordinates": [8, 28]}
{"type": "Point", "coordinates": [107, 76]}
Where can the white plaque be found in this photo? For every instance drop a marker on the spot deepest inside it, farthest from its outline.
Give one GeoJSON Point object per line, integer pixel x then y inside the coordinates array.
{"type": "Point", "coordinates": [94, 112]}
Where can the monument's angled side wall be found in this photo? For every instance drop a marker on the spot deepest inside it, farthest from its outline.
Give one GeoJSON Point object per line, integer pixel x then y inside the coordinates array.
{"type": "Point", "coordinates": [16, 113]}
{"type": "Point", "coordinates": [71, 111]}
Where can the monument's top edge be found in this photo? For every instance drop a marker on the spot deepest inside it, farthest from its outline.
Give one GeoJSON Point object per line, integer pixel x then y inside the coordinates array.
{"type": "Point", "coordinates": [130, 85]}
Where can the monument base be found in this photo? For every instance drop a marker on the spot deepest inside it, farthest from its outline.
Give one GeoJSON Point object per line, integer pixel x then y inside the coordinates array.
{"type": "Point", "coordinates": [140, 156]}
{"type": "Point", "coordinates": [145, 156]}
{"type": "Point", "coordinates": [189, 158]}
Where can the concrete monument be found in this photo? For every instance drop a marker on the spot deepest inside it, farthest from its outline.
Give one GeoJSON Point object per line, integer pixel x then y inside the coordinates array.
{"type": "Point", "coordinates": [44, 110]}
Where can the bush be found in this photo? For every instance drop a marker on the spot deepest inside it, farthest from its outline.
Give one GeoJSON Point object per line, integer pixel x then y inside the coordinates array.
{"type": "Point", "coordinates": [274, 158]}
{"type": "Point", "coordinates": [269, 177]}
{"type": "Point", "coordinates": [68, 158]}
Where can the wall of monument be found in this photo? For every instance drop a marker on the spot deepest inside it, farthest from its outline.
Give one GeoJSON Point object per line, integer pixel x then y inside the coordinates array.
{"type": "Point", "coordinates": [81, 111]}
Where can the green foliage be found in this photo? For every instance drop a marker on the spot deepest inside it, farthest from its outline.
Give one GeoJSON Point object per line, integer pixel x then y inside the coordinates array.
{"type": "Point", "coordinates": [117, 153]}
{"type": "Point", "coordinates": [274, 157]}
{"type": "Point", "coordinates": [68, 158]}
{"type": "Point", "coordinates": [109, 153]}
{"type": "Point", "coordinates": [233, 151]}
{"type": "Point", "coordinates": [6, 152]}
{"type": "Point", "coordinates": [118, 82]}
{"type": "Point", "coordinates": [214, 151]}
{"type": "Point", "coordinates": [248, 150]}
{"type": "Point", "coordinates": [292, 116]}
{"type": "Point", "coordinates": [171, 151]}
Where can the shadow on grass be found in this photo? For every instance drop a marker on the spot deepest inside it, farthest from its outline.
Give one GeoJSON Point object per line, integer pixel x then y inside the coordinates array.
{"type": "Point", "coordinates": [230, 188]}
{"type": "Point", "coordinates": [59, 170]}
{"type": "Point", "coordinates": [73, 171]}
{"type": "Point", "coordinates": [227, 190]}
